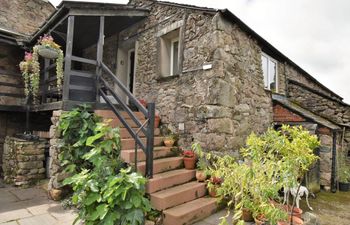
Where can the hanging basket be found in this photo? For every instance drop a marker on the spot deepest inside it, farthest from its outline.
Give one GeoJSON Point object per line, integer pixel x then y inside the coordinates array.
{"type": "Point", "coordinates": [47, 52]}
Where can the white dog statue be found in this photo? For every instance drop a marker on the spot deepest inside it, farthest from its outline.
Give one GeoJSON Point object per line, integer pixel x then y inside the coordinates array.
{"type": "Point", "coordinates": [293, 191]}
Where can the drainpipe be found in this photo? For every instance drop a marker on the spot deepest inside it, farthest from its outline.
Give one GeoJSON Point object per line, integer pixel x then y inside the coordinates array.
{"type": "Point", "coordinates": [334, 164]}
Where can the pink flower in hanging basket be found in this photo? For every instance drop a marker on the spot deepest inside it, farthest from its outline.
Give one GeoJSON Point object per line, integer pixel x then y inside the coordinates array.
{"type": "Point", "coordinates": [28, 56]}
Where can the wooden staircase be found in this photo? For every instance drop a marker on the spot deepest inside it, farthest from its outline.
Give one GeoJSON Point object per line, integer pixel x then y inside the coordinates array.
{"type": "Point", "coordinates": [173, 189]}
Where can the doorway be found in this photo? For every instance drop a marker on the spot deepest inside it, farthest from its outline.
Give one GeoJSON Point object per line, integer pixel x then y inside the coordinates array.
{"type": "Point", "coordinates": [131, 71]}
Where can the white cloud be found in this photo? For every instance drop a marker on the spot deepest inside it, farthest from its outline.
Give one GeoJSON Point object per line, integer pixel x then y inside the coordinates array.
{"type": "Point", "coordinates": [314, 33]}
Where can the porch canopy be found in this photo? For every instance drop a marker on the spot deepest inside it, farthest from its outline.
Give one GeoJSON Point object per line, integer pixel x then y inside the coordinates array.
{"type": "Point", "coordinates": [87, 21]}
{"type": "Point", "coordinates": [77, 26]}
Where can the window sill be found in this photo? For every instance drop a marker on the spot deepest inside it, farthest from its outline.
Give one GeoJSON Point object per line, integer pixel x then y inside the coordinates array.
{"type": "Point", "coordinates": [167, 78]}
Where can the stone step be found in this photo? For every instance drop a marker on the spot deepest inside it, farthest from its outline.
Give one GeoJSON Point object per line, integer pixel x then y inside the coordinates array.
{"type": "Point", "coordinates": [177, 195]}
{"type": "Point", "coordinates": [158, 152]}
{"type": "Point", "coordinates": [124, 133]}
{"type": "Point", "coordinates": [169, 179]}
{"type": "Point", "coordinates": [116, 123]}
{"type": "Point", "coordinates": [162, 165]}
{"type": "Point", "coordinates": [109, 114]}
{"type": "Point", "coordinates": [129, 143]}
{"type": "Point", "coordinates": [190, 212]}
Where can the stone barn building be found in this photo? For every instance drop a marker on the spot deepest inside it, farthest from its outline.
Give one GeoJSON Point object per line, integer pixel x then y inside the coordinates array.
{"type": "Point", "coordinates": [212, 78]}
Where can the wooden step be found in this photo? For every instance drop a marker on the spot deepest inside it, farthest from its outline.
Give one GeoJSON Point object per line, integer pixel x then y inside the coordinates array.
{"type": "Point", "coordinates": [178, 195]}
{"type": "Point", "coordinates": [158, 152]}
{"type": "Point", "coordinates": [116, 123]}
{"type": "Point", "coordinates": [190, 212]}
{"type": "Point", "coordinates": [129, 143]}
{"type": "Point", "coordinates": [124, 133]}
{"type": "Point", "coordinates": [169, 179]}
{"type": "Point", "coordinates": [162, 165]}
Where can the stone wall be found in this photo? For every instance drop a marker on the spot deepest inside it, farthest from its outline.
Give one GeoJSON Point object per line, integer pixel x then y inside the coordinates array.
{"type": "Point", "coordinates": [330, 108]}
{"type": "Point", "coordinates": [10, 124]}
{"type": "Point", "coordinates": [55, 170]}
{"type": "Point", "coordinates": [23, 161]}
{"type": "Point", "coordinates": [24, 16]}
{"type": "Point", "coordinates": [218, 107]}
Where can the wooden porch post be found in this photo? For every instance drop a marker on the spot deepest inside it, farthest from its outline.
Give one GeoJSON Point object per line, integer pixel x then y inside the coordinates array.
{"type": "Point", "coordinates": [99, 57]}
{"type": "Point", "coordinates": [68, 57]}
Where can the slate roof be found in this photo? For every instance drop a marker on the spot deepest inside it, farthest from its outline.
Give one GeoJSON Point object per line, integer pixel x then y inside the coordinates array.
{"type": "Point", "coordinates": [280, 99]}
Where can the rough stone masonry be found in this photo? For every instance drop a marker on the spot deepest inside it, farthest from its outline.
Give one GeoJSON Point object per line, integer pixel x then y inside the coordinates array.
{"type": "Point", "coordinates": [23, 161]}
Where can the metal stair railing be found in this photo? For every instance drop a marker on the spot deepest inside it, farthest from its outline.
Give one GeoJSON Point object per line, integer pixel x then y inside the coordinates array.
{"type": "Point", "coordinates": [147, 128]}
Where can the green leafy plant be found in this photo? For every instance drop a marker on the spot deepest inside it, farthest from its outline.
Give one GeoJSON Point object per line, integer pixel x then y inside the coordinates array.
{"type": "Point", "coordinates": [104, 191]}
{"type": "Point", "coordinates": [343, 169]}
{"type": "Point", "coordinates": [48, 42]}
{"type": "Point", "coordinates": [30, 69]}
{"type": "Point", "coordinates": [76, 127]}
{"type": "Point", "coordinates": [272, 160]}
{"type": "Point", "coordinates": [202, 163]}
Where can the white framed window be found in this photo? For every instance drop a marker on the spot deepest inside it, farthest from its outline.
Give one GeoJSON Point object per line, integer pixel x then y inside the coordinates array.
{"type": "Point", "coordinates": [174, 57]}
{"type": "Point", "coordinates": [269, 67]}
{"type": "Point", "coordinates": [169, 54]}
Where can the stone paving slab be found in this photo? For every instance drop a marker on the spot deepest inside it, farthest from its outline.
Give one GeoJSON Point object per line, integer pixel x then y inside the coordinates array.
{"type": "Point", "coordinates": [31, 206]}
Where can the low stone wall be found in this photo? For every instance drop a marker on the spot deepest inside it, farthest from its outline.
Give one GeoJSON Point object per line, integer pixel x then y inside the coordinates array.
{"type": "Point", "coordinates": [23, 161]}
{"type": "Point", "coordinates": [55, 170]}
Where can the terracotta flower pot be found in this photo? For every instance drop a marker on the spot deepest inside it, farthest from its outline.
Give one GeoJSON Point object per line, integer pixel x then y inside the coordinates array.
{"type": "Point", "coordinates": [156, 121]}
{"type": "Point", "coordinates": [260, 220]}
{"type": "Point", "coordinates": [201, 176]}
{"type": "Point", "coordinates": [247, 215]}
{"type": "Point", "coordinates": [296, 211]}
{"type": "Point", "coordinates": [169, 142]}
{"type": "Point", "coordinates": [295, 220]}
{"type": "Point", "coordinates": [213, 192]}
{"type": "Point", "coordinates": [190, 163]}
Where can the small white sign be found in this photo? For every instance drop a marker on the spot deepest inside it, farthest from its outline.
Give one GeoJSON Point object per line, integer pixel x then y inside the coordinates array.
{"type": "Point", "coordinates": [207, 66]}
{"type": "Point", "coordinates": [181, 126]}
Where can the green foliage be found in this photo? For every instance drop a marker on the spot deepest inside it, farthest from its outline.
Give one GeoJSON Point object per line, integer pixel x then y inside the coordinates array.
{"type": "Point", "coordinates": [343, 169]}
{"type": "Point", "coordinates": [273, 160]}
{"type": "Point", "coordinates": [76, 127]}
{"type": "Point", "coordinates": [202, 163]}
{"type": "Point", "coordinates": [104, 191]}
{"type": "Point", "coordinates": [110, 199]}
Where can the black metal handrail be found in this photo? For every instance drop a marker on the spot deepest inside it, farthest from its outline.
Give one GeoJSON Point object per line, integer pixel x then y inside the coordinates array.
{"type": "Point", "coordinates": [149, 114]}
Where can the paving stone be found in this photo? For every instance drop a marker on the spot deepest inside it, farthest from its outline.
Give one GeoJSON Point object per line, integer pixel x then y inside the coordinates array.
{"type": "Point", "coordinates": [14, 214]}
{"type": "Point", "coordinates": [45, 219]}
{"type": "Point", "coordinates": [6, 197]}
{"type": "Point", "coordinates": [29, 193]}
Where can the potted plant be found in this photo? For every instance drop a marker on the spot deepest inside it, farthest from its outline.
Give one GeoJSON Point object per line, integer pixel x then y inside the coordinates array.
{"type": "Point", "coordinates": [189, 159]}
{"type": "Point", "coordinates": [30, 66]}
{"type": "Point", "coordinates": [143, 102]}
{"type": "Point", "coordinates": [156, 120]}
{"type": "Point", "coordinates": [169, 140]}
{"type": "Point", "coordinates": [213, 185]}
{"type": "Point", "coordinates": [344, 178]}
{"type": "Point", "coordinates": [202, 165]}
{"type": "Point", "coordinates": [47, 48]}
{"type": "Point", "coordinates": [30, 69]}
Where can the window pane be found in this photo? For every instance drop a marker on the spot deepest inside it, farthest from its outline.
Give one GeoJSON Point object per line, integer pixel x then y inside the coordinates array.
{"type": "Point", "coordinates": [175, 57]}
{"type": "Point", "coordinates": [272, 75]}
{"type": "Point", "coordinates": [265, 72]}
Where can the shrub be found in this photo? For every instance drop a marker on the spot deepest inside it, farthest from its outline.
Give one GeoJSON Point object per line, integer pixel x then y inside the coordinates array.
{"type": "Point", "coordinates": [104, 191]}
{"type": "Point", "coordinates": [273, 160]}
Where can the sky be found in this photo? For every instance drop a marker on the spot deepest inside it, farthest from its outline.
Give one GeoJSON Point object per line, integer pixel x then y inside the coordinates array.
{"type": "Point", "coordinates": [315, 34]}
